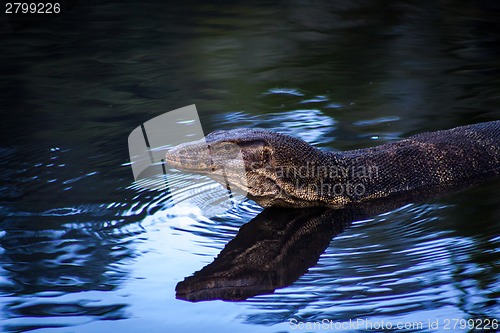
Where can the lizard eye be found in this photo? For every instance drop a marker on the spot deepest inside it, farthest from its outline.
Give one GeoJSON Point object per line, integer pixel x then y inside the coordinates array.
{"type": "Point", "coordinates": [231, 149]}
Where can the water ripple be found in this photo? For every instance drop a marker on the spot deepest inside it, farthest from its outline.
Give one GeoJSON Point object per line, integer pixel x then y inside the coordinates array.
{"type": "Point", "coordinates": [311, 125]}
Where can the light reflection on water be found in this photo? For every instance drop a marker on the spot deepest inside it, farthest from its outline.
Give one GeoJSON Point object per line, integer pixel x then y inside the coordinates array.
{"type": "Point", "coordinates": [121, 262]}
{"type": "Point", "coordinates": [83, 249]}
{"type": "Point", "coordinates": [310, 125]}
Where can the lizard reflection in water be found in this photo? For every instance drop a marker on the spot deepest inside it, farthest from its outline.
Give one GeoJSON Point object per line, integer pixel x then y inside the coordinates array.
{"type": "Point", "coordinates": [271, 251]}
{"type": "Point", "coordinates": [278, 246]}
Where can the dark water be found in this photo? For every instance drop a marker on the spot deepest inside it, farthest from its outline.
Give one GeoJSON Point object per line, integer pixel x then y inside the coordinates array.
{"type": "Point", "coordinates": [82, 249]}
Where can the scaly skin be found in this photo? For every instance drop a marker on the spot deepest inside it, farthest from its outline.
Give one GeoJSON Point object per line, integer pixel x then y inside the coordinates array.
{"type": "Point", "coordinates": [274, 169]}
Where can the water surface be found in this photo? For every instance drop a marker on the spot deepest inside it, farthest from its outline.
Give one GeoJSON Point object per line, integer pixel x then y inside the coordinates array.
{"type": "Point", "coordinates": [84, 249]}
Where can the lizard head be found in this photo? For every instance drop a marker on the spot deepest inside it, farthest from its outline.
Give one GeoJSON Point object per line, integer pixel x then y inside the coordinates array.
{"type": "Point", "coordinates": [256, 162]}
